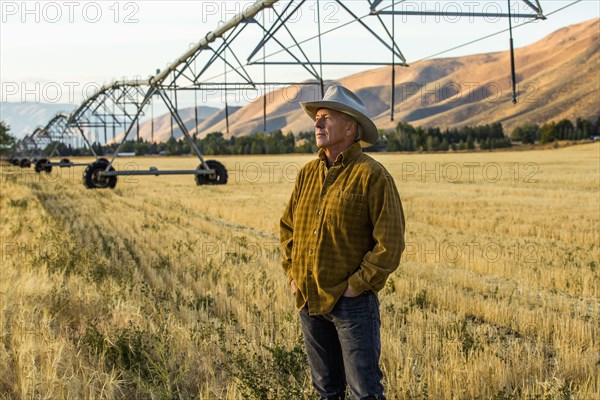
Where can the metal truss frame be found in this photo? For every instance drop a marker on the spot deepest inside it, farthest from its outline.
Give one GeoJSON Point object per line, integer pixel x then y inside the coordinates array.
{"type": "Point", "coordinates": [32, 145]}
{"type": "Point", "coordinates": [55, 132]}
{"type": "Point", "coordinates": [120, 104]}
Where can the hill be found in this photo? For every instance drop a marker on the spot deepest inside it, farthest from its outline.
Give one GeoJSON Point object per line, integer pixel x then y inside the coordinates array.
{"type": "Point", "coordinates": [24, 118]}
{"type": "Point", "coordinates": [557, 78]}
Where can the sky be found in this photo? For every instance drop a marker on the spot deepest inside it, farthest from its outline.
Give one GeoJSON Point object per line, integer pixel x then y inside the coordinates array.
{"type": "Point", "coordinates": [60, 51]}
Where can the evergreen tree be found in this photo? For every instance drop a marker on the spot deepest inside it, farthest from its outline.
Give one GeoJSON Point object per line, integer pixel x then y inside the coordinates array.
{"type": "Point", "coordinates": [6, 139]}
{"type": "Point", "coordinates": [526, 133]}
{"type": "Point", "coordinates": [470, 143]}
{"type": "Point", "coordinates": [444, 146]}
{"type": "Point", "coordinates": [548, 133]}
{"type": "Point", "coordinates": [563, 129]}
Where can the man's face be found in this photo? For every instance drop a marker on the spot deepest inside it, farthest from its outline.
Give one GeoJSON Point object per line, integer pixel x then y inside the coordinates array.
{"type": "Point", "coordinates": [332, 130]}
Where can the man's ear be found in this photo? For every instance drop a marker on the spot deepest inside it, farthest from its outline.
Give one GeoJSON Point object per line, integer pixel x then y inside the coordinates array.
{"type": "Point", "coordinates": [351, 128]}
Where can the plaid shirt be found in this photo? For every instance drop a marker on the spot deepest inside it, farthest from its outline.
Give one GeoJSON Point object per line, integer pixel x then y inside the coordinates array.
{"type": "Point", "coordinates": [342, 226]}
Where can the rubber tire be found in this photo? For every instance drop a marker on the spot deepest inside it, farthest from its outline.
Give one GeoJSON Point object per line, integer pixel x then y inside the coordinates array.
{"type": "Point", "coordinates": [220, 171]}
{"type": "Point", "coordinates": [65, 161]}
{"type": "Point", "coordinates": [24, 163]}
{"type": "Point", "coordinates": [91, 180]}
{"type": "Point", "coordinates": [38, 166]}
{"type": "Point", "coordinates": [43, 164]}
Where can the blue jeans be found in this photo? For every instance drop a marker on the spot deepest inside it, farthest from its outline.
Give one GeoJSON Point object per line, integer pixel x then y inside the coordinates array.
{"type": "Point", "coordinates": [343, 348]}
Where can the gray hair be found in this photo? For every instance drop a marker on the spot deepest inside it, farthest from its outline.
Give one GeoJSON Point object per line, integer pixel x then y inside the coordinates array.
{"type": "Point", "coordinates": [359, 129]}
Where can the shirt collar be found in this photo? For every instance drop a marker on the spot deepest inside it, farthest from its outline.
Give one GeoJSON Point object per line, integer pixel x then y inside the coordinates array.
{"type": "Point", "coordinates": [345, 157]}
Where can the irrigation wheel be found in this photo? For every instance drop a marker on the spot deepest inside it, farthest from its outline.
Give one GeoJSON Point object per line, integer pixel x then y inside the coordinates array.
{"type": "Point", "coordinates": [219, 178]}
{"type": "Point", "coordinates": [92, 178]}
{"type": "Point", "coordinates": [43, 164]}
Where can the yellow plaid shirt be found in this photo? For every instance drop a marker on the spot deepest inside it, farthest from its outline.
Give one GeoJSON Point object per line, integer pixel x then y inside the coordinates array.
{"type": "Point", "coordinates": [343, 225]}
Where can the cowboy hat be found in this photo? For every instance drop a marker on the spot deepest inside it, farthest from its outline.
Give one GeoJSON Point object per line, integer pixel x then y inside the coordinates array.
{"type": "Point", "coordinates": [341, 99]}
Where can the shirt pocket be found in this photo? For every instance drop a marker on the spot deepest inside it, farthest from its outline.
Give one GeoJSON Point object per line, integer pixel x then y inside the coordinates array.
{"type": "Point", "coordinates": [345, 208]}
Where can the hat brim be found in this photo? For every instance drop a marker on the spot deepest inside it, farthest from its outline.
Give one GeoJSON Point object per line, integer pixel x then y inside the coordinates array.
{"type": "Point", "coordinates": [370, 132]}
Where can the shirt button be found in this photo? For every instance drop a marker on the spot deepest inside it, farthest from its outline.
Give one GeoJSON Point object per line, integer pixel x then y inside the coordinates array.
{"type": "Point", "coordinates": [315, 231]}
{"type": "Point", "coordinates": [320, 212]}
{"type": "Point", "coordinates": [310, 252]}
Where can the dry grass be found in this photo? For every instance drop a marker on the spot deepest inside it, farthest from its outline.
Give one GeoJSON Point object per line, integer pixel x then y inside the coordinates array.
{"type": "Point", "coordinates": [160, 289]}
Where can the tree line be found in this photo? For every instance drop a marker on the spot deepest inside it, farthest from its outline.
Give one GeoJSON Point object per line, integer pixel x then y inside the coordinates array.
{"type": "Point", "coordinates": [561, 130]}
{"type": "Point", "coordinates": [404, 137]}
{"type": "Point", "coordinates": [408, 138]}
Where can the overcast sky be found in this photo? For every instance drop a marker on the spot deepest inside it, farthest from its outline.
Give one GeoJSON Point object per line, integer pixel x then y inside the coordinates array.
{"type": "Point", "coordinates": [51, 50]}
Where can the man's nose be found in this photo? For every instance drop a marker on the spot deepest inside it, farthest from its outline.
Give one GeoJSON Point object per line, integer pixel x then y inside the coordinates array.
{"type": "Point", "coordinates": [318, 123]}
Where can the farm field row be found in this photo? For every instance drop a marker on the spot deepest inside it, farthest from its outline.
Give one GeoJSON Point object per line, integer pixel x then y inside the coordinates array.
{"type": "Point", "coordinates": [163, 289]}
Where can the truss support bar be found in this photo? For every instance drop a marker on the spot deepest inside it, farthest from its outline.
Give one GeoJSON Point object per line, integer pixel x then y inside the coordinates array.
{"type": "Point", "coordinates": [458, 14]}
{"type": "Point", "coordinates": [213, 35]}
{"type": "Point", "coordinates": [67, 165]}
{"type": "Point", "coordinates": [374, 6]}
{"type": "Point", "coordinates": [244, 86]}
{"type": "Point", "coordinates": [151, 91]}
{"type": "Point", "coordinates": [375, 35]}
{"type": "Point", "coordinates": [158, 172]}
{"type": "Point", "coordinates": [86, 141]}
{"type": "Point", "coordinates": [269, 34]}
{"type": "Point", "coordinates": [182, 127]}
{"type": "Point", "coordinates": [327, 63]}
{"type": "Point", "coordinates": [537, 8]}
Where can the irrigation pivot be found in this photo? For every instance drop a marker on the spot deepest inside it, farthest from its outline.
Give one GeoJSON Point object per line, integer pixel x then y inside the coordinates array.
{"type": "Point", "coordinates": [234, 58]}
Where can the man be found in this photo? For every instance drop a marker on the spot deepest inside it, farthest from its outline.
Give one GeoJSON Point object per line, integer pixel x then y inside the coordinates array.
{"type": "Point", "coordinates": [342, 234]}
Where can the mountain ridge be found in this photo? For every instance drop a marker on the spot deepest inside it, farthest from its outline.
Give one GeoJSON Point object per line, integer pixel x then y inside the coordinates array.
{"type": "Point", "coordinates": [557, 78]}
{"type": "Point", "coordinates": [553, 82]}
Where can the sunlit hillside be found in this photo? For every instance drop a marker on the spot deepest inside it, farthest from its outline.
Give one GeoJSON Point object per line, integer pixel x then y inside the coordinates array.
{"type": "Point", "coordinates": [556, 76]}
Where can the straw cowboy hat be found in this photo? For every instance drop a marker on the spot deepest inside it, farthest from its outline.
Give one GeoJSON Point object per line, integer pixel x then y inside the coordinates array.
{"type": "Point", "coordinates": [341, 99]}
